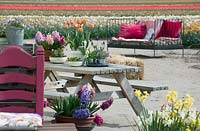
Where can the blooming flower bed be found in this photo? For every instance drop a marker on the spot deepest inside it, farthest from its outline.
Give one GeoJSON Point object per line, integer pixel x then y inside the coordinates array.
{"type": "Point", "coordinates": [47, 24]}
{"type": "Point", "coordinates": [175, 115]}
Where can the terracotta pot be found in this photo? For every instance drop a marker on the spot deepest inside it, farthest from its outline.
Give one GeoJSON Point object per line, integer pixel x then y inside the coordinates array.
{"type": "Point", "coordinates": [66, 119]}
{"type": "Point", "coordinates": [47, 53]}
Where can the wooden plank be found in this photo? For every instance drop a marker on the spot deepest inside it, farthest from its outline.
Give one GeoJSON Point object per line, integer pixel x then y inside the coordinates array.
{"type": "Point", "coordinates": [129, 93]}
{"type": "Point", "coordinates": [45, 127]}
{"type": "Point", "coordinates": [85, 80]}
{"type": "Point", "coordinates": [58, 127]}
{"type": "Point", "coordinates": [17, 109]}
{"type": "Point", "coordinates": [98, 96]}
{"type": "Point", "coordinates": [17, 78]}
{"type": "Point", "coordinates": [112, 68]}
{"type": "Point", "coordinates": [53, 95]}
{"type": "Point", "coordinates": [17, 57]}
{"type": "Point", "coordinates": [136, 84]}
{"type": "Point", "coordinates": [16, 94]}
{"type": "Point", "coordinates": [14, 86]}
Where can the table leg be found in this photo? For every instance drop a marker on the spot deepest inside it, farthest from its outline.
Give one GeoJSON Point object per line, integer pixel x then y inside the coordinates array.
{"type": "Point", "coordinates": [86, 79]}
{"type": "Point", "coordinates": [128, 92]}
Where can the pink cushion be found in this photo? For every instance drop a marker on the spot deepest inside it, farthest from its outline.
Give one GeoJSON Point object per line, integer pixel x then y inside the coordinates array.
{"type": "Point", "coordinates": [170, 29]}
{"type": "Point", "coordinates": [132, 31]}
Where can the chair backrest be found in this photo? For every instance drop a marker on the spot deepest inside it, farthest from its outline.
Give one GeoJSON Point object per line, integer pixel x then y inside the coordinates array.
{"type": "Point", "coordinates": [21, 80]}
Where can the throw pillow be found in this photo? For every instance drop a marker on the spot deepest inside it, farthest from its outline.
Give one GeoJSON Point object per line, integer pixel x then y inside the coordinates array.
{"type": "Point", "coordinates": [171, 29]}
{"type": "Point", "coordinates": [132, 31]}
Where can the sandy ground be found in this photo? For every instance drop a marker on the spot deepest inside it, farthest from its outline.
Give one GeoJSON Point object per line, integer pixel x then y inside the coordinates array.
{"type": "Point", "coordinates": [181, 74]}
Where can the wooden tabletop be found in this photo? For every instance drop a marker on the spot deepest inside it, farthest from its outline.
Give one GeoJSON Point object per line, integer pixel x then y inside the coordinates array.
{"type": "Point", "coordinates": [110, 69]}
{"type": "Point", "coordinates": [58, 127]}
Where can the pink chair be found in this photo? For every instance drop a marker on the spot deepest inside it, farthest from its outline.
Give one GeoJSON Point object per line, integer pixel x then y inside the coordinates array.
{"type": "Point", "coordinates": [21, 81]}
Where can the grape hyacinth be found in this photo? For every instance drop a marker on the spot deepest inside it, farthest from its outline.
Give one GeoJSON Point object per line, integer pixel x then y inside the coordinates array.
{"type": "Point", "coordinates": [81, 114]}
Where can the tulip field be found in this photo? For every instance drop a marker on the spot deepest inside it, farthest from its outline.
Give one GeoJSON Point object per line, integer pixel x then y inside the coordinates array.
{"type": "Point", "coordinates": [49, 15]}
{"type": "Point", "coordinates": [100, 7]}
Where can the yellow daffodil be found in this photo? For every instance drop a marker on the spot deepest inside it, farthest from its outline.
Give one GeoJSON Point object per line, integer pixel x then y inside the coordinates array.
{"type": "Point", "coordinates": [172, 96]}
{"type": "Point", "coordinates": [178, 104]}
{"type": "Point", "coordinates": [188, 102]}
{"type": "Point", "coordinates": [188, 129]}
{"type": "Point", "coordinates": [138, 93]}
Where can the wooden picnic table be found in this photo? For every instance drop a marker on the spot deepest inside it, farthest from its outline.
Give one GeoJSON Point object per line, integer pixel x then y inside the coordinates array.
{"type": "Point", "coordinates": [87, 73]}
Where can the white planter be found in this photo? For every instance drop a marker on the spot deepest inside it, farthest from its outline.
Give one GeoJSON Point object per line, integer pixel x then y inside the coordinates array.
{"type": "Point", "coordinates": [75, 63]}
{"type": "Point", "coordinates": [58, 60]}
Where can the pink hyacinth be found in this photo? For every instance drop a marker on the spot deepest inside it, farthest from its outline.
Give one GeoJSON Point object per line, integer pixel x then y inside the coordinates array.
{"type": "Point", "coordinates": [98, 120]}
{"type": "Point", "coordinates": [39, 37]}
{"type": "Point", "coordinates": [62, 40]}
{"type": "Point", "coordinates": [107, 104]}
{"type": "Point", "coordinates": [49, 39]}
{"type": "Point", "coordinates": [56, 35]}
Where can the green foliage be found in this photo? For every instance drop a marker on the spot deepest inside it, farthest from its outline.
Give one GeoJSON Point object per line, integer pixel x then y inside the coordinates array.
{"type": "Point", "coordinates": [58, 53]}
{"type": "Point", "coordinates": [65, 106]}
{"type": "Point", "coordinates": [97, 53]}
{"type": "Point", "coordinates": [74, 58]}
{"type": "Point", "coordinates": [191, 39]}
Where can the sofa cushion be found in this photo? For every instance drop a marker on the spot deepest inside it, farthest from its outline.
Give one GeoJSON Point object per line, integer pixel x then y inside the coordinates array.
{"type": "Point", "coordinates": [132, 31]}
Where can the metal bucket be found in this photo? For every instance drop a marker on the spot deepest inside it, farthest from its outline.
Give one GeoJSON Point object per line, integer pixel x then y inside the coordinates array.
{"type": "Point", "coordinates": [15, 36]}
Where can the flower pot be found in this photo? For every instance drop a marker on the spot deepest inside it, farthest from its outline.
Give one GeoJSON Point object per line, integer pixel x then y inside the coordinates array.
{"type": "Point", "coordinates": [15, 36]}
{"type": "Point", "coordinates": [85, 128]}
{"type": "Point", "coordinates": [67, 119]}
{"type": "Point", "coordinates": [96, 62]}
{"type": "Point", "coordinates": [47, 54]}
{"type": "Point", "coordinates": [57, 60]}
{"type": "Point", "coordinates": [75, 63]}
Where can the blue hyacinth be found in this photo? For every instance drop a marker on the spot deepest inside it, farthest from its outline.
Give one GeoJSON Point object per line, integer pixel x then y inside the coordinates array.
{"type": "Point", "coordinates": [85, 98]}
{"type": "Point", "coordinates": [81, 114]}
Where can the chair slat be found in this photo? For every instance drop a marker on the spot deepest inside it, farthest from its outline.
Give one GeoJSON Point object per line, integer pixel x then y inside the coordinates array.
{"type": "Point", "coordinates": [17, 109]}
{"type": "Point", "coordinates": [17, 94]}
{"type": "Point", "coordinates": [15, 56]}
{"type": "Point", "coordinates": [17, 78]}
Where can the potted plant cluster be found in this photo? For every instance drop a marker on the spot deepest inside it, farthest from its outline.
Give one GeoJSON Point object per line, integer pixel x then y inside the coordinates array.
{"type": "Point", "coordinates": [15, 31]}
{"type": "Point", "coordinates": [79, 108]}
{"type": "Point", "coordinates": [74, 61]}
{"type": "Point", "coordinates": [53, 45]}
{"type": "Point", "coordinates": [96, 55]}
{"type": "Point", "coordinates": [78, 35]}
{"type": "Point", "coordinates": [175, 115]}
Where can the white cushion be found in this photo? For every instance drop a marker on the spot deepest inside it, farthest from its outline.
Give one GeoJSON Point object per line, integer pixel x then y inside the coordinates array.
{"type": "Point", "coordinates": [20, 120]}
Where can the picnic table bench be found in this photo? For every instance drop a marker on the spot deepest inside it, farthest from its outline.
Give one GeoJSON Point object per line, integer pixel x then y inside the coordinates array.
{"type": "Point", "coordinates": [142, 85]}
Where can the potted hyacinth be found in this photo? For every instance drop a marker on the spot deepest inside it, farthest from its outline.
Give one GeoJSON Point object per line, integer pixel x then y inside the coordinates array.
{"type": "Point", "coordinates": [80, 109]}
{"type": "Point", "coordinates": [53, 45]}
{"type": "Point", "coordinates": [96, 55]}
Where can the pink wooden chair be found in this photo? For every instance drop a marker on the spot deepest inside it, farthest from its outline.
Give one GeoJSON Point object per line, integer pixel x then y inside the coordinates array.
{"type": "Point", "coordinates": [21, 81]}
